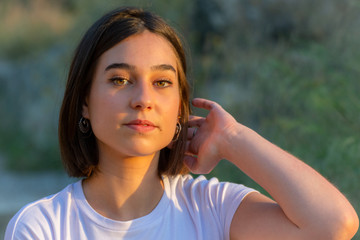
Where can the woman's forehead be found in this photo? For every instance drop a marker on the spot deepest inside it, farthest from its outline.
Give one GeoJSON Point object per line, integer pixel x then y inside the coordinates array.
{"type": "Point", "coordinates": [145, 49]}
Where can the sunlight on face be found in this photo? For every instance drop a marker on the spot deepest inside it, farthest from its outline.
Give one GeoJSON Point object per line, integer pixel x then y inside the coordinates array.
{"type": "Point", "coordinates": [134, 99]}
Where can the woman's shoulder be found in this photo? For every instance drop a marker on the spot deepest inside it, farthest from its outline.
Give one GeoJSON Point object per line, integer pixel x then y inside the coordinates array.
{"type": "Point", "coordinates": [49, 203]}
{"type": "Point", "coordinates": [43, 210]}
{"type": "Point", "coordinates": [200, 185]}
{"type": "Point", "coordinates": [187, 179]}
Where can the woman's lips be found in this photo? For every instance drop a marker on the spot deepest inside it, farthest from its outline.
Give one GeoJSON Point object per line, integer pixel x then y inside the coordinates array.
{"type": "Point", "coordinates": [141, 125]}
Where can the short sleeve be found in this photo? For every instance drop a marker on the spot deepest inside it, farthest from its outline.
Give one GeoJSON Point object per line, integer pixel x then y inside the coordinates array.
{"type": "Point", "coordinates": [216, 201]}
{"type": "Point", "coordinates": [227, 198]}
{"type": "Point", "coordinates": [33, 221]}
{"type": "Point", "coordinates": [23, 226]}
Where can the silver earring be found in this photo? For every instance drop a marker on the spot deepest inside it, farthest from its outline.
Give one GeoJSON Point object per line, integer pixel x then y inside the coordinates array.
{"type": "Point", "coordinates": [177, 132]}
{"type": "Point", "coordinates": [84, 125]}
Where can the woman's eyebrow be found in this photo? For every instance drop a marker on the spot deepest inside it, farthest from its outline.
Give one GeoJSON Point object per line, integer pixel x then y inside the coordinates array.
{"type": "Point", "coordinates": [125, 66]}
{"type": "Point", "coordinates": [120, 66]}
{"type": "Point", "coordinates": [163, 67]}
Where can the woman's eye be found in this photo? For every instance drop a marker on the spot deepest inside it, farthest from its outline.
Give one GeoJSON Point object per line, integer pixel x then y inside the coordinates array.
{"type": "Point", "coordinates": [119, 81]}
{"type": "Point", "coordinates": [163, 83]}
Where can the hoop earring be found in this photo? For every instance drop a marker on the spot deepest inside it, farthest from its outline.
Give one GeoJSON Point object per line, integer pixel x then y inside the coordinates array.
{"type": "Point", "coordinates": [84, 125]}
{"type": "Point", "coordinates": [177, 132]}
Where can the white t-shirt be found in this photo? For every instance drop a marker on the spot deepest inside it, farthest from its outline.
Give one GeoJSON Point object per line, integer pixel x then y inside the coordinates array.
{"type": "Point", "coordinates": [189, 209]}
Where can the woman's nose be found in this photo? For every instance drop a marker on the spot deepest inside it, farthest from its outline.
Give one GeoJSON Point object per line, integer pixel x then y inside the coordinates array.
{"type": "Point", "coordinates": [142, 96]}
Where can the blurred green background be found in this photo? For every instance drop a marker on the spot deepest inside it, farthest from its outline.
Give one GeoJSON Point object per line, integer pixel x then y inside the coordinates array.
{"type": "Point", "coordinates": [288, 69]}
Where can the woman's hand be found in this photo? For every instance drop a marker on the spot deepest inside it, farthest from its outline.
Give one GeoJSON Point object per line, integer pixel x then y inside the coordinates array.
{"type": "Point", "coordinates": [207, 137]}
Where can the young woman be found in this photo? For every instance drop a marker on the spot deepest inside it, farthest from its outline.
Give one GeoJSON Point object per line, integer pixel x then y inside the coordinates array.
{"type": "Point", "coordinates": [125, 130]}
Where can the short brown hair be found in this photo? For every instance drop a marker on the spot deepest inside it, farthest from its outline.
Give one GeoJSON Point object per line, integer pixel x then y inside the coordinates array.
{"type": "Point", "coordinates": [80, 152]}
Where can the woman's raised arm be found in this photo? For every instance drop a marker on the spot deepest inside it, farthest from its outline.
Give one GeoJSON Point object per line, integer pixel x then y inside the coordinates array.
{"type": "Point", "coordinates": [306, 205]}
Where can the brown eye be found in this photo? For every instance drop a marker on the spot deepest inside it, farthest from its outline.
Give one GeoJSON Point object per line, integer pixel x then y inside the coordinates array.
{"type": "Point", "coordinates": [119, 81]}
{"type": "Point", "coordinates": [163, 83]}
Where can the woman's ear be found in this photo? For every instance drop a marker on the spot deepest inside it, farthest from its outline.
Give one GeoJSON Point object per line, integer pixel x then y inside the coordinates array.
{"type": "Point", "coordinates": [179, 111]}
{"type": "Point", "coordinates": [85, 110]}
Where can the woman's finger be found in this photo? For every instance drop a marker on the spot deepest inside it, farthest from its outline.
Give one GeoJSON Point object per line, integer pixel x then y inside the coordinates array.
{"type": "Point", "coordinates": [204, 103]}
{"type": "Point", "coordinates": [191, 132]}
{"type": "Point", "coordinates": [190, 162]}
{"type": "Point", "coordinates": [195, 121]}
{"type": "Point", "coordinates": [190, 149]}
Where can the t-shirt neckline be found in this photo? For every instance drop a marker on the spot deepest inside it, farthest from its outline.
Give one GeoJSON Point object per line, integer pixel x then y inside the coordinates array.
{"type": "Point", "coordinates": [148, 220]}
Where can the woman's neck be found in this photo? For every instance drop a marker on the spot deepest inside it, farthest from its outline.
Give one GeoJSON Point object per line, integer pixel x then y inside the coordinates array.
{"type": "Point", "coordinates": [124, 189]}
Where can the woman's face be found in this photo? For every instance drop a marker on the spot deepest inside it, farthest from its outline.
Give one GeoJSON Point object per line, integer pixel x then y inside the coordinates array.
{"type": "Point", "coordinates": [134, 100]}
